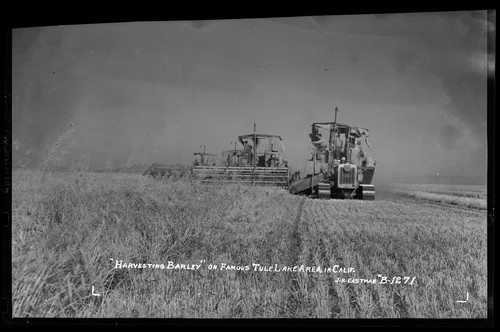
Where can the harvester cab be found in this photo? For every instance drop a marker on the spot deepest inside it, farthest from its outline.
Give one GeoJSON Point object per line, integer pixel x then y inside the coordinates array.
{"type": "Point", "coordinates": [259, 150]}
{"type": "Point", "coordinates": [340, 166]}
{"type": "Point", "coordinates": [262, 150]}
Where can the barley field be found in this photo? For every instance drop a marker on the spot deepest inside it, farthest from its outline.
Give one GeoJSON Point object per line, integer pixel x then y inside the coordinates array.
{"type": "Point", "coordinates": [246, 252]}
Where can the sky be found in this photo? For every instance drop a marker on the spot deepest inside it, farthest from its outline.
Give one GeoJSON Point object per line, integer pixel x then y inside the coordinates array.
{"type": "Point", "coordinates": [144, 92]}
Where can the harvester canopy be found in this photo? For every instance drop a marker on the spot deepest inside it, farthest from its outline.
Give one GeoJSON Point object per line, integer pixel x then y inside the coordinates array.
{"type": "Point", "coordinates": [264, 142]}
{"type": "Point", "coordinates": [320, 134]}
{"type": "Point", "coordinates": [323, 129]}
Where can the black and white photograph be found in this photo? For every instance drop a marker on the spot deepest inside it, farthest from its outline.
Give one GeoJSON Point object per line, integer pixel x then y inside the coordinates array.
{"type": "Point", "coordinates": [329, 167]}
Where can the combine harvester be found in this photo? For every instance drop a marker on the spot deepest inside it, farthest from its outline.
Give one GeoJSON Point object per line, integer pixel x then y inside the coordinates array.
{"type": "Point", "coordinates": [340, 168]}
{"type": "Point", "coordinates": [259, 162]}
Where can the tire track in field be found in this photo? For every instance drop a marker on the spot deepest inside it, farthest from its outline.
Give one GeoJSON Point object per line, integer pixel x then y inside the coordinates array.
{"type": "Point", "coordinates": [293, 301]}
{"type": "Point", "coordinates": [296, 242]}
{"type": "Point", "coordinates": [322, 215]}
{"type": "Point", "coordinates": [323, 230]}
{"type": "Point", "coordinates": [309, 293]}
{"type": "Point", "coordinates": [331, 222]}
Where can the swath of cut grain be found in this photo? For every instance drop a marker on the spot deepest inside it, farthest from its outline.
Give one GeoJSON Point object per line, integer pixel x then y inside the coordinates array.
{"type": "Point", "coordinates": [397, 240]}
